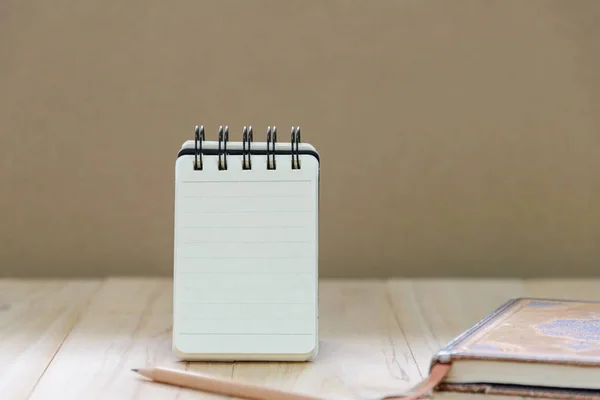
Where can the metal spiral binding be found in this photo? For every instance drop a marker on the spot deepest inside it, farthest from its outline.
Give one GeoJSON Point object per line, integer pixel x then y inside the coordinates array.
{"type": "Point", "coordinates": [198, 139]}
{"type": "Point", "coordinates": [250, 140]}
{"type": "Point", "coordinates": [223, 137]}
{"type": "Point", "coordinates": [271, 153]}
{"type": "Point", "coordinates": [295, 139]}
{"type": "Point", "coordinates": [246, 137]}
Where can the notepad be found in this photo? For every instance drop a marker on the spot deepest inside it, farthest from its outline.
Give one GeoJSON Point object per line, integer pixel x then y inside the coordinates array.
{"type": "Point", "coordinates": [246, 248]}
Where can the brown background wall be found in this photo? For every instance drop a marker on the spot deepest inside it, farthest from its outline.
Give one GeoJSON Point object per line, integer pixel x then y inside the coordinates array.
{"type": "Point", "coordinates": [457, 137]}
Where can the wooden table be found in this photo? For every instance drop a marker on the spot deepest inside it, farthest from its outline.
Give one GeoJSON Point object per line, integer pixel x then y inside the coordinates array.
{"type": "Point", "coordinates": [70, 339]}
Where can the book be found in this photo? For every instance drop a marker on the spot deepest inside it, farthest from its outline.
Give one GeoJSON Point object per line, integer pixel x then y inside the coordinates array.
{"type": "Point", "coordinates": [527, 348]}
{"type": "Point", "coordinates": [246, 248]}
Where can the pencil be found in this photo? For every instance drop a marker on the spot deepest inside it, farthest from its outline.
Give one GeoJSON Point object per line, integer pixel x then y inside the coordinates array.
{"type": "Point", "coordinates": [221, 386]}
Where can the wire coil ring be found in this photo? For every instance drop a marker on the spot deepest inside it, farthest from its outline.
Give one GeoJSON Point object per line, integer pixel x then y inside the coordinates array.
{"type": "Point", "coordinates": [271, 152]}
{"type": "Point", "coordinates": [295, 140]}
{"type": "Point", "coordinates": [224, 138]}
{"type": "Point", "coordinates": [198, 139]}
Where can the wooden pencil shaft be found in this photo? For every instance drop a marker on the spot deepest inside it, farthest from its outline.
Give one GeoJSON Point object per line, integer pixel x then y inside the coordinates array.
{"type": "Point", "coordinates": [222, 386]}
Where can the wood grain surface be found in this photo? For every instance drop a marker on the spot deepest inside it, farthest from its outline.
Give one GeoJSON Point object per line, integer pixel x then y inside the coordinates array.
{"type": "Point", "coordinates": [70, 339]}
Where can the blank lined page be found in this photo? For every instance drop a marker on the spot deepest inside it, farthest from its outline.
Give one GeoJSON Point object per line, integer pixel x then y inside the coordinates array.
{"type": "Point", "coordinates": [246, 258]}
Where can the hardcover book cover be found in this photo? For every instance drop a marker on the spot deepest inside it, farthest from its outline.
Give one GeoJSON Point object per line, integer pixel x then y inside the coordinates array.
{"type": "Point", "coordinates": [530, 330]}
{"type": "Point", "coordinates": [527, 348]}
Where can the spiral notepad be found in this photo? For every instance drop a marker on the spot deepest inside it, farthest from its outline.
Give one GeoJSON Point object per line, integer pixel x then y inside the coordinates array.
{"type": "Point", "coordinates": [246, 248]}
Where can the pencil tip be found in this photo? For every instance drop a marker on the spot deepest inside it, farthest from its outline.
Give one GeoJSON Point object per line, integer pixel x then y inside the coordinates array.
{"type": "Point", "coordinates": [134, 369]}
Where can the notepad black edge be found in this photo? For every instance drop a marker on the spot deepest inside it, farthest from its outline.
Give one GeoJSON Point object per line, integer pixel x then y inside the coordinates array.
{"type": "Point", "coordinates": [238, 152]}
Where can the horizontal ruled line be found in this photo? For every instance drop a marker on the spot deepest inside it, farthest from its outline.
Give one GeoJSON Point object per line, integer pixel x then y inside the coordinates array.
{"type": "Point", "coordinates": [248, 257]}
{"type": "Point", "coordinates": [246, 212]}
{"type": "Point", "coordinates": [245, 334]}
{"type": "Point", "coordinates": [246, 273]}
{"type": "Point", "coordinates": [246, 303]}
{"type": "Point", "coordinates": [251, 318]}
{"type": "Point", "coordinates": [268, 196]}
{"type": "Point", "coordinates": [248, 241]}
{"type": "Point", "coordinates": [248, 227]}
{"type": "Point", "coordinates": [250, 181]}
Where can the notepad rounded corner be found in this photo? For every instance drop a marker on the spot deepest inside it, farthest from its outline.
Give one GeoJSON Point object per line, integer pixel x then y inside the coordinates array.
{"type": "Point", "coordinates": [180, 160]}
{"type": "Point", "coordinates": [311, 354]}
{"type": "Point", "coordinates": [182, 355]}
